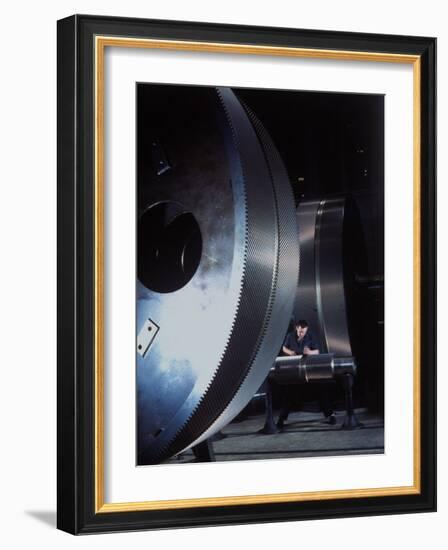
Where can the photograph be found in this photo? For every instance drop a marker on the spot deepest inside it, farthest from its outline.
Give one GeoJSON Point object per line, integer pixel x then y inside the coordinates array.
{"type": "Point", "coordinates": [246, 302]}
{"type": "Point", "coordinates": [260, 273]}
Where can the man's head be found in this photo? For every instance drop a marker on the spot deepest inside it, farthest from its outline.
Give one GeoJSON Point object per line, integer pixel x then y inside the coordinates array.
{"type": "Point", "coordinates": [301, 328]}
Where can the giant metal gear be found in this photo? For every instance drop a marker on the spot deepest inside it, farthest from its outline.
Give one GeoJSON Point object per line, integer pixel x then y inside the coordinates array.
{"type": "Point", "coordinates": [218, 261]}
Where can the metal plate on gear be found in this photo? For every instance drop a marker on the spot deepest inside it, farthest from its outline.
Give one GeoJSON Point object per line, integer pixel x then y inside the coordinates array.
{"type": "Point", "coordinates": [146, 336]}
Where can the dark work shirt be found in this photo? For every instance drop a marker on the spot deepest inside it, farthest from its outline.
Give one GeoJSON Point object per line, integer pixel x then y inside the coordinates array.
{"type": "Point", "coordinates": [292, 343]}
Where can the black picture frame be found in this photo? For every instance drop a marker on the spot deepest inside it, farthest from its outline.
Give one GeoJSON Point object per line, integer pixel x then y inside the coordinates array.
{"type": "Point", "coordinates": [78, 509]}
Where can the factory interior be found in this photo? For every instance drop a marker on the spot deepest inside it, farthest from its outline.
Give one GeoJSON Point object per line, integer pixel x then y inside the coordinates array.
{"type": "Point", "coordinates": [296, 238]}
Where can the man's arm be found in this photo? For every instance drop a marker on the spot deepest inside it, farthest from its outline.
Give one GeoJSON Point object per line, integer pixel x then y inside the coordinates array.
{"type": "Point", "coordinates": [288, 351]}
{"type": "Point", "coordinates": [287, 346]}
{"type": "Point", "coordinates": [311, 347]}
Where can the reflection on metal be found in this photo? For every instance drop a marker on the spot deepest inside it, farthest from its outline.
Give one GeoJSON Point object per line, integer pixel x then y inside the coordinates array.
{"type": "Point", "coordinates": [160, 162]}
{"type": "Point", "coordinates": [224, 302]}
{"type": "Point", "coordinates": [320, 297]}
{"type": "Point", "coordinates": [308, 368]}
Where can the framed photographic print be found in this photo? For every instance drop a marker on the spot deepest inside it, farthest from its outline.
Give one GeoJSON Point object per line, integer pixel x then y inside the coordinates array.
{"type": "Point", "coordinates": [246, 274]}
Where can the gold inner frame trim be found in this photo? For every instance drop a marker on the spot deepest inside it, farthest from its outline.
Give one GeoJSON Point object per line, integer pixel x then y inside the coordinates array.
{"type": "Point", "coordinates": [101, 42]}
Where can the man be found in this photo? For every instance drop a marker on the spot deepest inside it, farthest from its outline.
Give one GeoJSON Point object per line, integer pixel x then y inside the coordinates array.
{"type": "Point", "coordinates": [302, 342]}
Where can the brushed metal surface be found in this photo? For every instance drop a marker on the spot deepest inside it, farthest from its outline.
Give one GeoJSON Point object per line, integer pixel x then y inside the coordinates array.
{"type": "Point", "coordinates": [320, 297]}
{"type": "Point", "coordinates": [305, 306]}
{"type": "Point", "coordinates": [330, 276]}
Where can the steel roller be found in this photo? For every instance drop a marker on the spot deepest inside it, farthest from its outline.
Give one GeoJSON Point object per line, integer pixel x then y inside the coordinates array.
{"type": "Point", "coordinates": [218, 263]}
{"type": "Point", "coordinates": [310, 368]}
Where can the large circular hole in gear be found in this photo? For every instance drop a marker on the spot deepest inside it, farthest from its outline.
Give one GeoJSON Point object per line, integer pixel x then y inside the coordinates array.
{"type": "Point", "coordinates": [169, 246]}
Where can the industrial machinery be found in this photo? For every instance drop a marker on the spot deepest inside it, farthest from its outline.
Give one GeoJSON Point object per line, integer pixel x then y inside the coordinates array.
{"type": "Point", "coordinates": [324, 295]}
{"type": "Point", "coordinates": [311, 368]}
